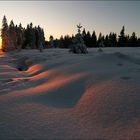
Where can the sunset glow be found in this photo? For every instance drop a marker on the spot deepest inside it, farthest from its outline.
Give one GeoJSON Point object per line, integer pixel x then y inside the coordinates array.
{"type": "Point", "coordinates": [50, 85]}
{"type": "Point", "coordinates": [69, 69]}
{"type": "Point", "coordinates": [61, 17]}
{"type": "Point", "coordinates": [0, 43]}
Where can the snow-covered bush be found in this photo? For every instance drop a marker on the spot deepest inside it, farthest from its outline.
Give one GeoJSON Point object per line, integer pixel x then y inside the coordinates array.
{"type": "Point", "coordinates": [78, 45]}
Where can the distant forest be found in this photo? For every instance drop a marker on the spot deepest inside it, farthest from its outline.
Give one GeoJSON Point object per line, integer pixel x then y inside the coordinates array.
{"type": "Point", "coordinates": [16, 37]}
{"type": "Point", "coordinates": [91, 40]}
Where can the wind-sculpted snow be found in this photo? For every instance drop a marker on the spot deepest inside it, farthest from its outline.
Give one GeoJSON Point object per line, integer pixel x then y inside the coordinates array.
{"type": "Point", "coordinates": [67, 96]}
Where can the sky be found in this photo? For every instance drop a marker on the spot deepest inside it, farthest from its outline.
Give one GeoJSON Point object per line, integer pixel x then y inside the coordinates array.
{"type": "Point", "coordinates": [61, 17]}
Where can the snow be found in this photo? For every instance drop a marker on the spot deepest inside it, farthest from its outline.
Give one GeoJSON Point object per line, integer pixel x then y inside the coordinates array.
{"type": "Point", "coordinates": [70, 96]}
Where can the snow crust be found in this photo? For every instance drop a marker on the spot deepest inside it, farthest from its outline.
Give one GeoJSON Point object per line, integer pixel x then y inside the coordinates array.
{"type": "Point", "coordinates": [60, 95]}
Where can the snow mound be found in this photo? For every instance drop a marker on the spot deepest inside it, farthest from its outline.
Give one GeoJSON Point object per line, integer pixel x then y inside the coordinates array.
{"type": "Point", "coordinates": [68, 96]}
{"type": "Point", "coordinates": [33, 70]}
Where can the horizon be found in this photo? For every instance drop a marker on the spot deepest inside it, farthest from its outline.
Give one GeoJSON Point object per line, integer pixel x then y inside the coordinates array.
{"type": "Point", "coordinates": [61, 17]}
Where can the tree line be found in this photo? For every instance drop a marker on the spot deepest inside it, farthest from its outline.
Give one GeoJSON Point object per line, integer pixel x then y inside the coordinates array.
{"type": "Point", "coordinates": [17, 37]}
{"type": "Point", "coordinates": [92, 40]}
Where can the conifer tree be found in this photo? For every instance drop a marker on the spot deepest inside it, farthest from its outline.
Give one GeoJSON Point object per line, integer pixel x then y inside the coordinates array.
{"type": "Point", "coordinates": [32, 37]}
{"type": "Point", "coordinates": [27, 37]}
{"type": "Point", "coordinates": [43, 37]}
{"type": "Point", "coordinates": [67, 41]}
{"type": "Point", "coordinates": [78, 45]}
{"type": "Point", "coordinates": [94, 39]}
{"type": "Point", "coordinates": [61, 42]}
{"type": "Point", "coordinates": [20, 37]}
{"type": "Point", "coordinates": [12, 35]}
{"type": "Point", "coordinates": [88, 41]}
{"type": "Point", "coordinates": [4, 34]}
{"type": "Point", "coordinates": [40, 38]}
{"type": "Point", "coordinates": [51, 41]}
{"type": "Point", "coordinates": [84, 35]}
{"type": "Point", "coordinates": [106, 41]}
{"type": "Point", "coordinates": [133, 40]}
{"type": "Point", "coordinates": [138, 42]}
{"type": "Point", "coordinates": [100, 37]}
{"type": "Point", "coordinates": [122, 38]}
{"type": "Point", "coordinates": [112, 38]}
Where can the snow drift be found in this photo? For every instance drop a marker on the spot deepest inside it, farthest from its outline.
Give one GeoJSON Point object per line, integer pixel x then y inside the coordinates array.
{"type": "Point", "coordinates": [63, 95]}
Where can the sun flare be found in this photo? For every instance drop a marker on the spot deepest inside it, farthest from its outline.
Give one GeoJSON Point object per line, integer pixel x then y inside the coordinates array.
{"type": "Point", "coordinates": [0, 43]}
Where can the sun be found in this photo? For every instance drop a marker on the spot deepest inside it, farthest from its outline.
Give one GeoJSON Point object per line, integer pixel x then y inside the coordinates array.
{"type": "Point", "coordinates": [0, 43]}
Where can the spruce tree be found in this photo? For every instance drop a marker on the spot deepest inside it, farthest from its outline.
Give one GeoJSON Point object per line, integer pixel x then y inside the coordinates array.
{"type": "Point", "coordinates": [122, 38]}
{"type": "Point", "coordinates": [84, 35]}
{"type": "Point", "coordinates": [12, 35]}
{"type": "Point", "coordinates": [51, 41]}
{"type": "Point", "coordinates": [4, 34]}
{"type": "Point", "coordinates": [99, 38]}
{"type": "Point", "coordinates": [138, 42]}
{"type": "Point", "coordinates": [40, 38]}
{"type": "Point", "coordinates": [112, 40]}
{"type": "Point", "coordinates": [61, 42]}
{"type": "Point", "coordinates": [27, 37]}
{"type": "Point", "coordinates": [94, 39]}
{"type": "Point", "coordinates": [78, 45]}
{"type": "Point", "coordinates": [67, 41]}
{"type": "Point", "coordinates": [43, 37]}
{"type": "Point", "coordinates": [107, 42]}
{"type": "Point", "coordinates": [127, 41]}
{"type": "Point", "coordinates": [20, 37]}
{"type": "Point", "coordinates": [88, 41]}
{"type": "Point", "coordinates": [133, 40]}
{"type": "Point", "coordinates": [32, 36]}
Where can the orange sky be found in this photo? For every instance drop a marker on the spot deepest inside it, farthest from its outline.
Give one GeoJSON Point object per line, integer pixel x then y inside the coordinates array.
{"type": "Point", "coordinates": [61, 17]}
{"type": "Point", "coordinates": [0, 42]}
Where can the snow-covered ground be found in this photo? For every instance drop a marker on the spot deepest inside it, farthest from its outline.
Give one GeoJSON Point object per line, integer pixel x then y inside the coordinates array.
{"type": "Point", "coordinates": [70, 96]}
